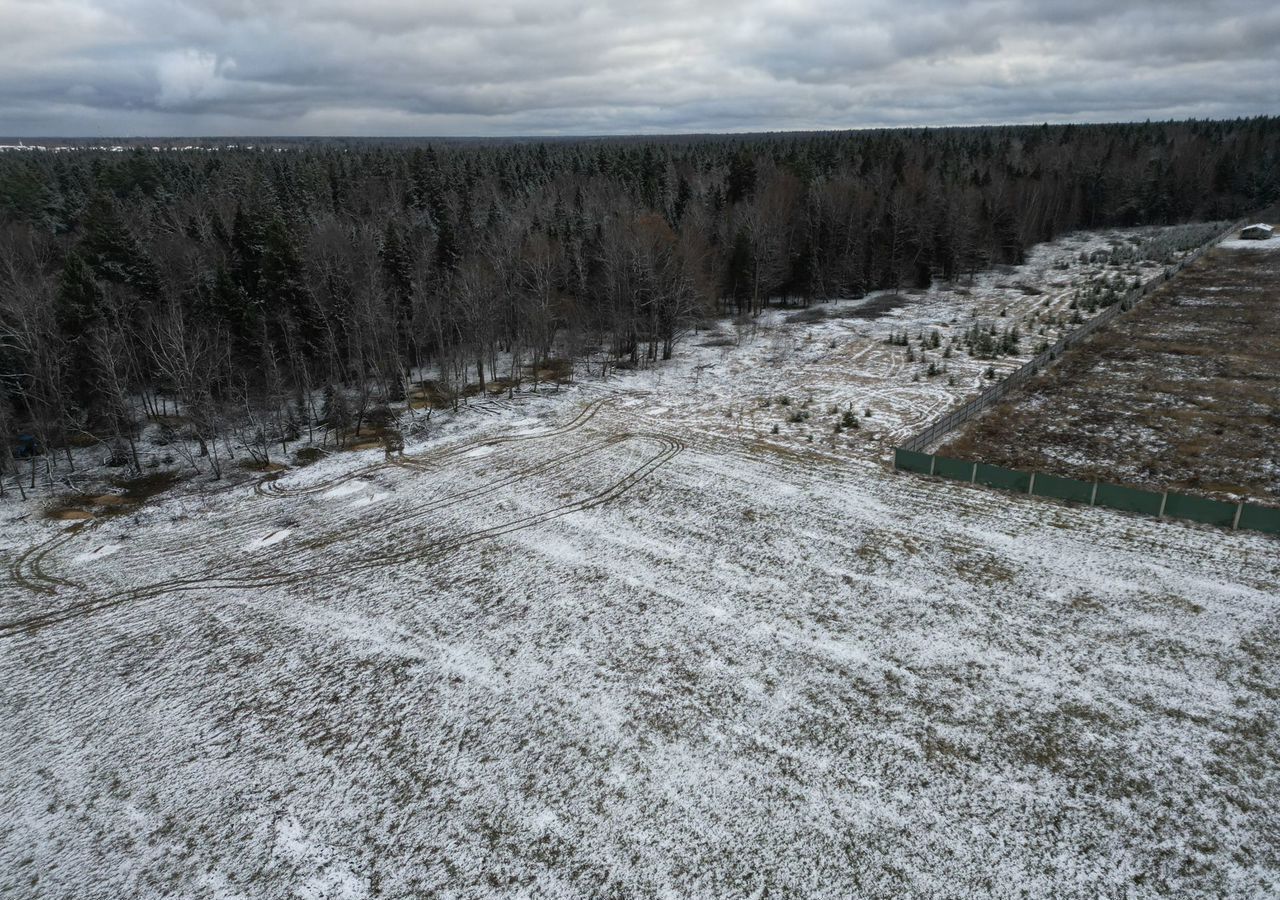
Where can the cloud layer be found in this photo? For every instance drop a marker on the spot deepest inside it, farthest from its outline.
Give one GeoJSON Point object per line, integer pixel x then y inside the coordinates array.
{"type": "Point", "coordinates": [467, 67]}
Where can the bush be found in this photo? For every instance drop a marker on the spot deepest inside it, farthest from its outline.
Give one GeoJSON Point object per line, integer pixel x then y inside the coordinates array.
{"type": "Point", "coordinates": [379, 417]}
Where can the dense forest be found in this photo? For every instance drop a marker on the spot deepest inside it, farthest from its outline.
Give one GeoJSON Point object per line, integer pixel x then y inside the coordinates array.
{"type": "Point", "coordinates": [271, 291]}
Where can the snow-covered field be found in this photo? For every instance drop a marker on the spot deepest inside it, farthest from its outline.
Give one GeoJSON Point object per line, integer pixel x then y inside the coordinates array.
{"type": "Point", "coordinates": [625, 640]}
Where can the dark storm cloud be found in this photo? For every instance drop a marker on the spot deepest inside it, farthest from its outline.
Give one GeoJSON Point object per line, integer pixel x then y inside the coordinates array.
{"type": "Point", "coordinates": [563, 66]}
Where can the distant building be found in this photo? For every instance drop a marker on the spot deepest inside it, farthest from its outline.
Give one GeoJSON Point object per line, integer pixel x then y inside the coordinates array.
{"type": "Point", "coordinates": [1257, 232]}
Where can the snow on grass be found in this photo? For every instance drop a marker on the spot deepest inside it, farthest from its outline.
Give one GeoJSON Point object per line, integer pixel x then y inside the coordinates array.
{"type": "Point", "coordinates": [269, 540]}
{"type": "Point", "coordinates": [1269, 245]}
{"type": "Point", "coordinates": [97, 553]}
{"type": "Point", "coordinates": [370, 498]}
{"type": "Point", "coordinates": [650, 654]}
{"type": "Point", "coordinates": [346, 489]}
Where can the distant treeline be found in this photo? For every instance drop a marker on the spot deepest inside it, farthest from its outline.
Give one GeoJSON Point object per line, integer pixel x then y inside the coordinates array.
{"type": "Point", "coordinates": [277, 288]}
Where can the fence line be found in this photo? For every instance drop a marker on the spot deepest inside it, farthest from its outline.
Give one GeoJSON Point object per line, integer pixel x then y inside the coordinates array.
{"type": "Point", "coordinates": [1157, 504]}
{"type": "Point", "coordinates": [910, 457]}
{"type": "Point", "coordinates": [1024, 373]}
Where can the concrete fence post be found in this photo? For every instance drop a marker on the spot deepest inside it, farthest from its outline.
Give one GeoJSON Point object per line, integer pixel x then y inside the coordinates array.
{"type": "Point", "coordinates": [1235, 523]}
{"type": "Point", "coordinates": [932, 462]}
{"type": "Point", "coordinates": [1164, 499]}
{"type": "Point", "coordinates": [1093, 495]}
{"type": "Point", "coordinates": [1031, 488]}
{"type": "Point", "coordinates": [973, 474]}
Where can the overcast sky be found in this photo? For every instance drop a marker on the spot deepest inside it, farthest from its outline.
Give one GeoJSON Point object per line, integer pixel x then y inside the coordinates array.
{"type": "Point", "coordinates": [470, 67]}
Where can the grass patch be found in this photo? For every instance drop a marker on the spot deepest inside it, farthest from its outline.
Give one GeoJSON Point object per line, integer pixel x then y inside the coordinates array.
{"type": "Point", "coordinates": [307, 455]}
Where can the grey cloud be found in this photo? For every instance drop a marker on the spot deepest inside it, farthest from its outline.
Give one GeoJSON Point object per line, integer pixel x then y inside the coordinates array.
{"type": "Point", "coordinates": [565, 66]}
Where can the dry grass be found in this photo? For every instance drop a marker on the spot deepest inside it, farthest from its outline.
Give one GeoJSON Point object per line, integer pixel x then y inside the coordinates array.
{"type": "Point", "coordinates": [258, 465]}
{"type": "Point", "coordinates": [65, 514]}
{"type": "Point", "coordinates": [306, 456]}
{"type": "Point", "coordinates": [133, 492]}
{"type": "Point", "coordinates": [1181, 393]}
{"type": "Point", "coordinates": [429, 394]}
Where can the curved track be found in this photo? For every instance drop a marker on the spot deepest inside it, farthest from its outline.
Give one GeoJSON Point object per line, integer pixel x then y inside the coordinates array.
{"type": "Point", "coordinates": [27, 569]}
{"type": "Point", "coordinates": [243, 575]}
{"type": "Point", "coordinates": [270, 486]}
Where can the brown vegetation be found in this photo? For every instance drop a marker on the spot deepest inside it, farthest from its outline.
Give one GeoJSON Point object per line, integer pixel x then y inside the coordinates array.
{"type": "Point", "coordinates": [1181, 393]}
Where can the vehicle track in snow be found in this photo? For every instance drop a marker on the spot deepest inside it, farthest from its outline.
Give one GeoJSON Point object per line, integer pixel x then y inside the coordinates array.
{"type": "Point", "coordinates": [270, 486]}
{"type": "Point", "coordinates": [27, 569]}
{"type": "Point", "coordinates": [241, 576]}
{"type": "Point", "coordinates": [178, 547]}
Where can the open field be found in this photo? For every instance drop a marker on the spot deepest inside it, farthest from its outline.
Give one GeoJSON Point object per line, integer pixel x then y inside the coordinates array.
{"type": "Point", "coordinates": [626, 640]}
{"type": "Point", "coordinates": [1181, 393]}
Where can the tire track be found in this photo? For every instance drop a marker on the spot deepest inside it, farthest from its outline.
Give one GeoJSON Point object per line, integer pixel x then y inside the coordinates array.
{"type": "Point", "coordinates": [27, 569]}
{"type": "Point", "coordinates": [409, 517]}
{"type": "Point", "coordinates": [270, 488]}
{"type": "Point", "coordinates": [668, 448]}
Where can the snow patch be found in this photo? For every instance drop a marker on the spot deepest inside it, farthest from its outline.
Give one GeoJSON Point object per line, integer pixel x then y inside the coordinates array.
{"type": "Point", "coordinates": [370, 499]}
{"type": "Point", "coordinates": [1263, 246]}
{"type": "Point", "coordinates": [97, 553]}
{"type": "Point", "coordinates": [269, 541]}
{"type": "Point", "coordinates": [346, 489]}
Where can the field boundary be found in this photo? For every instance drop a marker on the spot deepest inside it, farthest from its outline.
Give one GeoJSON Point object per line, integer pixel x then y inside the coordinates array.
{"type": "Point", "coordinates": [937, 430]}
{"type": "Point", "coordinates": [912, 457]}
{"type": "Point", "coordinates": [1239, 516]}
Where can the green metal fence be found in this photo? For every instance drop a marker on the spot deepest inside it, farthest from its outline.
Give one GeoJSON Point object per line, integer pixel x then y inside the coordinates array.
{"type": "Point", "coordinates": [911, 461]}
{"type": "Point", "coordinates": [911, 457]}
{"type": "Point", "coordinates": [1260, 518]}
{"type": "Point", "coordinates": [955, 469]}
{"type": "Point", "coordinates": [1128, 499]}
{"type": "Point", "coordinates": [1005, 479]}
{"type": "Point", "coordinates": [1243, 516]}
{"type": "Point", "coordinates": [1200, 509]}
{"type": "Point", "coordinates": [1047, 485]}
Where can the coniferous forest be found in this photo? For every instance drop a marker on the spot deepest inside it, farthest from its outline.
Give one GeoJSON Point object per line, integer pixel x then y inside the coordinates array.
{"type": "Point", "coordinates": [298, 288]}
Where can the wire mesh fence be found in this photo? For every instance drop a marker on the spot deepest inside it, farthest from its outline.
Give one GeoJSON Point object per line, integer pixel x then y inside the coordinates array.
{"type": "Point", "coordinates": [989, 397]}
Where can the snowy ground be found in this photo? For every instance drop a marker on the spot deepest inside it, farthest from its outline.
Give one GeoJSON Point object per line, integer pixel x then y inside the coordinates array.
{"type": "Point", "coordinates": [627, 641]}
